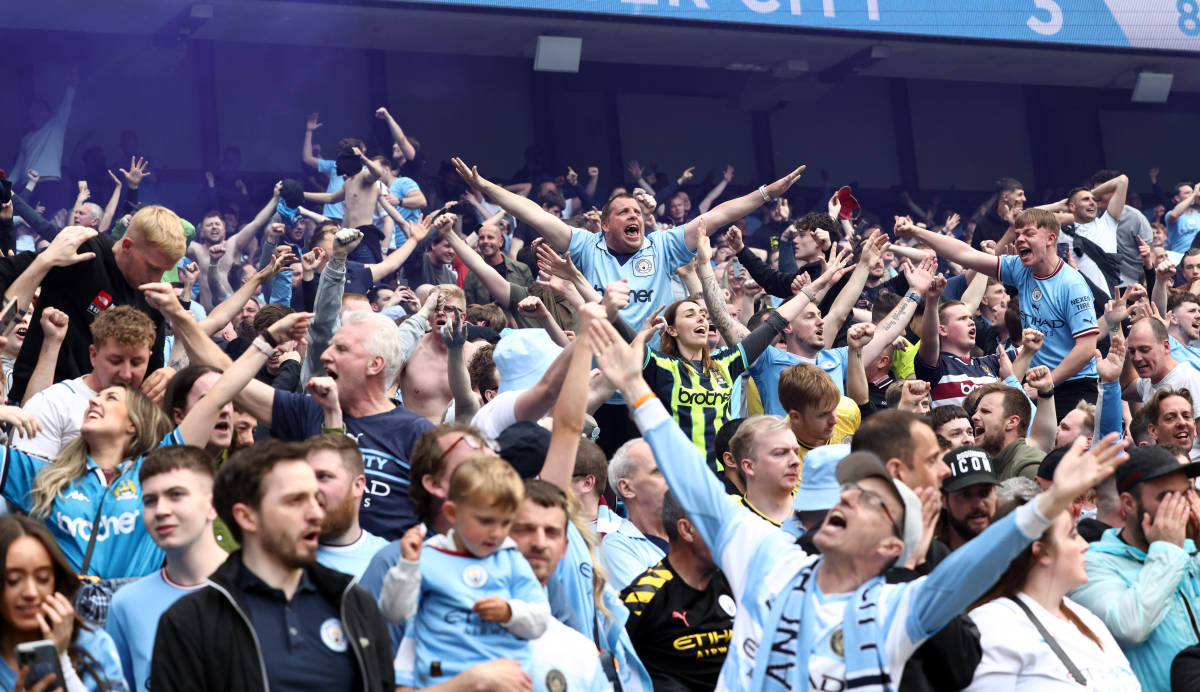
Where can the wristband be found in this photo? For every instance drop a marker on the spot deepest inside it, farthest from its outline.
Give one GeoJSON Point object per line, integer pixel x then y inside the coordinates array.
{"type": "Point", "coordinates": [341, 430]}
{"type": "Point", "coordinates": [263, 347]}
{"type": "Point", "coordinates": [914, 296]}
{"type": "Point", "coordinates": [266, 336]}
{"type": "Point", "coordinates": [643, 399]}
{"type": "Point", "coordinates": [1045, 395]}
{"type": "Point", "coordinates": [762, 190]}
{"type": "Point", "coordinates": [811, 297]}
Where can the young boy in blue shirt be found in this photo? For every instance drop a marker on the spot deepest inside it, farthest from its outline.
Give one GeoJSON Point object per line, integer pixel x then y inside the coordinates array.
{"type": "Point", "coordinates": [469, 596]}
{"type": "Point", "coordinates": [177, 508]}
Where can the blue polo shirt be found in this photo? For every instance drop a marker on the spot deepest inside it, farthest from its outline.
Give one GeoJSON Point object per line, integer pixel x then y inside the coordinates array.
{"type": "Point", "coordinates": [304, 645]}
{"type": "Point", "coordinates": [649, 270]}
{"type": "Point", "coordinates": [133, 622]}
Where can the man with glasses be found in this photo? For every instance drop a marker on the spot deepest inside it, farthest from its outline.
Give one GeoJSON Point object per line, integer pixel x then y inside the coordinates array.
{"type": "Point", "coordinates": [832, 621]}
{"type": "Point", "coordinates": [424, 377]}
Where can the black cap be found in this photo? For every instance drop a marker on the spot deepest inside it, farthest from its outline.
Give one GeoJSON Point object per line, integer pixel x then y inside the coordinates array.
{"type": "Point", "coordinates": [524, 445]}
{"type": "Point", "coordinates": [969, 465]}
{"type": "Point", "coordinates": [1148, 463]}
{"type": "Point", "coordinates": [1050, 462]}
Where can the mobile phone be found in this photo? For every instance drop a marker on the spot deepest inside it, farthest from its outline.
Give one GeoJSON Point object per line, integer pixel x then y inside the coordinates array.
{"type": "Point", "coordinates": [9, 315]}
{"type": "Point", "coordinates": [42, 658]}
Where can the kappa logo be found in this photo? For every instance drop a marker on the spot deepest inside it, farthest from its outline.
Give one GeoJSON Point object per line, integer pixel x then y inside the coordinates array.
{"type": "Point", "coordinates": [77, 496]}
{"type": "Point", "coordinates": [643, 266]}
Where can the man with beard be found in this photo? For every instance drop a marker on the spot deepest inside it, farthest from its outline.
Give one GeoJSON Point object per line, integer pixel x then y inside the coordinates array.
{"type": "Point", "coordinates": [1150, 358]}
{"type": "Point", "coordinates": [491, 246]}
{"type": "Point", "coordinates": [271, 617]}
{"type": "Point", "coordinates": [1143, 578]}
{"type": "Point", "coordinates": [969, 495]}
{"type": "Point", "coordinates": [1001, 420]}
{"type": "Point", "coordinates": [345, 546]}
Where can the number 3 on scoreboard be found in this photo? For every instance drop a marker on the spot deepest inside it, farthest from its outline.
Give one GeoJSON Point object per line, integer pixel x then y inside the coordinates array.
{"type": "Point", "coordinates": [1046, 27]}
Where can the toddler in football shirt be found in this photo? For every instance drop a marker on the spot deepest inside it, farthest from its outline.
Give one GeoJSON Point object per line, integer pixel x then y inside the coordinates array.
{"type": "Point", "coordinates": [469, 596]}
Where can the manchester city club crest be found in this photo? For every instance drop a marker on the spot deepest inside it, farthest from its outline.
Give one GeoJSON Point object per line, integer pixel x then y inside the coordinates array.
{"type": "Point", "coordinates": [475, 576]}
{"type": "Point", "coordinates": [1037, 295]}
{"type": "Point", "coordinates": [643, 266]}
{"type": "Point", "coordinates": [556, 681]}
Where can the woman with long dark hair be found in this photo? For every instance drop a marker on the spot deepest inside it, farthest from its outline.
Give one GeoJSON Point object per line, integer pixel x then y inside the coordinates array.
{"type": "Point", "coordinates": [1033, 636]}
{"type": "Point", "coordinates": [39, 588]}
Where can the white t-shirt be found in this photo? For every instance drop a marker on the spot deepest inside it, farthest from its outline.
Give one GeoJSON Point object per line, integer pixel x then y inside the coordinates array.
{"type": "Point", "coordinates": [1103, 232]}
{"type": "Point", "coordinates": [1182, 375]}
{"type": "Point", "coordinates": [59, 408]}
{"type": "Point", "coordinates": [1016, 657]}
{"type": "Point", "coordinates": [497, 414]}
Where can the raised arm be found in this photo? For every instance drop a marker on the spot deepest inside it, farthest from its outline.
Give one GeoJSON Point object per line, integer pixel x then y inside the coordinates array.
{"type": "Point", "coordinates": [497, 285]}
{"type": "Point", "coordinates": [569, 409]}
{"type": "Point", "coordinates": [197, 425]}
{"type": "Point", "coordinates": [930, 349]}
{"type": "Point", "coordinates": [221, 314]}
{"type": "Point", "coordinates": [706, 203]}
{"type": "Point", "coordinates": [110, 209]}
{"type": "Point", "coordinates": [948, 247]}
{"type": "Point", "coordinates": [894, 324]}
{"type": "Point", "coordinates": [1181, 208]}
{"type": "Point", "coordinates": [1044, 427]}
{"type": "Point", "coordinates": [54, 330]}
{"type": "Point", "coordinates": [856, 369]}
{"type": "Point", "coordinates": [550, 227]}
{"type": "Point", "coordinates": [732, 210]}
{"type": "Point", "coordinates": [406, 147]}
{"type": "Point", "coordinates": [63, 251]}
{"type": "Point", "coordinates": [872, 250]}
{"type": "Point", "coordinates": [374, 170]}
{"type": "Point", "coordinates": [414, 234]}
{"type": "Point", "coordinates": [306, 153]}
{"type": "Point", "coordinates": [731, 330]}
{"type": "Point", "coordinates": [1119, 187]}
{"type": "Point", "coordinates": [235, 245]}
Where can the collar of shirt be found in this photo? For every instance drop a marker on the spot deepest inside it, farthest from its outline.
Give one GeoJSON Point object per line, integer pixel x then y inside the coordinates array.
{"type": "Point", "coordinates": [251, 583]}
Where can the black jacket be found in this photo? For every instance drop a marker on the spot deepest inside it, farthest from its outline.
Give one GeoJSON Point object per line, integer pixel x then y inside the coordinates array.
{"type": "Point", "coordinates": [82, 291]}
{"type": "Point", "coordinates": [205, 641]}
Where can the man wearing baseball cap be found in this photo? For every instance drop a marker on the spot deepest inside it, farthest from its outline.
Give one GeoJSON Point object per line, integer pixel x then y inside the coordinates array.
{"type": "Point", "coordinates": [1144, 578]}
{"type": "Point", "coordinates": [969, 495]}
{"type": "Point", "coordinates": [832, 618]}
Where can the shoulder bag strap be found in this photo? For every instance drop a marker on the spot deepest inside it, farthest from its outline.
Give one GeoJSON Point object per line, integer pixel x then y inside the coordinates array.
{"type": "Point", "coordinates": [1062, 655]}
{"type": "Point", "coordinates": [91, 546]}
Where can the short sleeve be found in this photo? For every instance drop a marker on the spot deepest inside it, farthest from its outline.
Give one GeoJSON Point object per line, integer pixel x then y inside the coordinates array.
{"type": "Point", "coordinates": [18, 474]}
{"type": "Point", "coordinates": [582, 242]}
{"type": "Point", "coordinates": [1009, 268]}
{"type": "Point", "coordinates": [930, 373]}
{"type": "Point", "coordinates": [402, 186]}
{"type": "Point", "coordinates": [49, 412]}
{"type": "Point", "coordinates": [326, 166]}
{"type": "Point", "coordinates": [294, 416]}
{"type": "Point", "coordinates": [674, 247]}
{"type": "Point", "coordinates": [1081, 315]}
{"type": "Point", "coordinates": [100, 646]}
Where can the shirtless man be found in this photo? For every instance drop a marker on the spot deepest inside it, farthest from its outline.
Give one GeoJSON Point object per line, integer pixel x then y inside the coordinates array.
{"type": "Point", "coordinates": [360, 194]}
{"type": "Point", "coordinates": [216, 255]}
{"type": "Point", "coordinates": [424, 379]}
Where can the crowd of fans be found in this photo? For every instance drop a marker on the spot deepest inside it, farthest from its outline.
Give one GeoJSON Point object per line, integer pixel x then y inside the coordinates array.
{"type": "Point", "coordinates": [393, 431]}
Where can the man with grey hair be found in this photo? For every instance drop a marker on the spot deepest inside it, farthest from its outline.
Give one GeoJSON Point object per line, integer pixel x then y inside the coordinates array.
{"type": "Point", "coordinates": [361, 363]}
{"type": "Point", "coordinates": [768, 462]}
{"type": "Point", "coordinates": [639, 541]}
